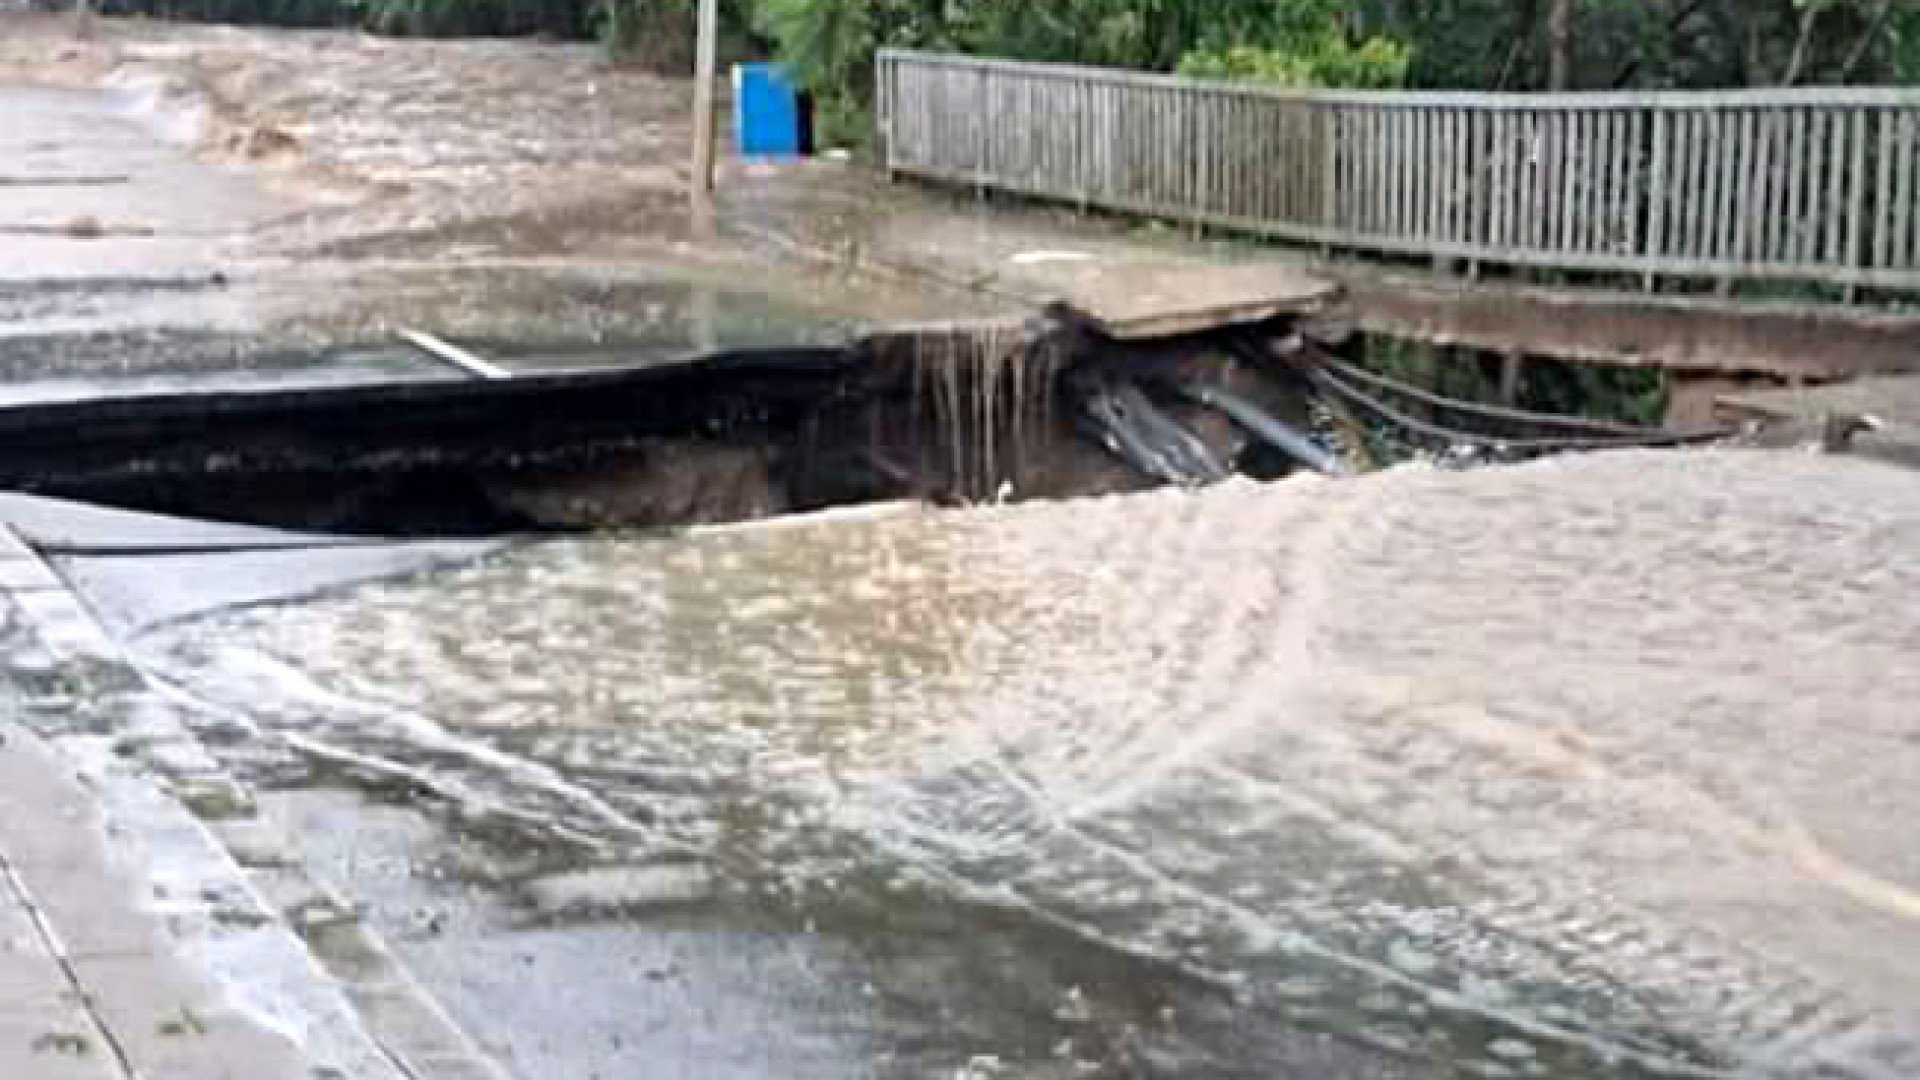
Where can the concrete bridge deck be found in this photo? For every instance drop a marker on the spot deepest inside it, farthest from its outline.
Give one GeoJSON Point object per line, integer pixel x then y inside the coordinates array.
{"type": "Point", "coordinates": [1027, 254]}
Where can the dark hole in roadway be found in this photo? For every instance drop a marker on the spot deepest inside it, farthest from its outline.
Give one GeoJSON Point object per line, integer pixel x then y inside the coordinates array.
{"type": "Point", "coordinates": [735, 436]}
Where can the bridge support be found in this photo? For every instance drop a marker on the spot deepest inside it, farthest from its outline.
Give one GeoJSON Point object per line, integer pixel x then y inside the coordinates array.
{"type": "Point", "coordinates": [1632, 330]}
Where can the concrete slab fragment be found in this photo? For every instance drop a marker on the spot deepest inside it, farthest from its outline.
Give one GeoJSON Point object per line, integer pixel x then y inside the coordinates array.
{"type": "Point", "coordinates": [1893, 402]}
{"type": "Point", "coordinates": [1160, 300]}
{"type": "Point", "coordinates": [134, 593]}
{"type": "Point", "coordinates": [62, 523]}
{"type": "Point", "coordinates": [1895, 399]}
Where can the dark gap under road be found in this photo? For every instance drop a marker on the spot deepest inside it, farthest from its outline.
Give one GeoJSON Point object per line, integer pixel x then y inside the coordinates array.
{"type": "Point", "coordinates": [970, 414]}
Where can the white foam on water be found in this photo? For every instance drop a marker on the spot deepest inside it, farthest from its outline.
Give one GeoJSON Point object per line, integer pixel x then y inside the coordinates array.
{"type": "Point", "coordinates": [1248, 732]}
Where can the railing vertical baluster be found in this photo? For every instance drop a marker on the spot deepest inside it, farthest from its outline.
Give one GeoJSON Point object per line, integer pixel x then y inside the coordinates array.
{"type": "Point", "coordinates": [1339, 174]}
{"type": "Point", "coordinates": [1527, 214]}
{"type": "Point", "coordinates": [1611, 138]}
{"type": "Point", "coordinates": [1394, 147]}
{"type": "Point", "coordinates": [1736, 217]}
{"type": "Point", "coordinates": [1365, 190]}
{"type": "Point", "coordinates": [1166, 153]}
{"type": "Point", "coordinates": [1377, 137]}
{"type": "Point", "coordinates": [1654, 195]}
{"type": "Point", "coordinates": [1392, 174]}
{"type": "Point", "coordinates": [1800, 175]}
{"type": "Point", "coordinates": [1831, 213]}
{"type": "Point", "coordinates": [1904, 195]}
{"type": "Point", "coordinates": [1408, 177]}
{"type": "Point", "coordinates": [1454, 182]}
{"type": "Point", "coordinates": [1392, 182]}
{"type": "Point", "coordinates": [1776, 207]}
{"type": "Point", "coordinates": [1295, 165]}
{"type": "Point", "coordinates": [1426, 177]}
{"type": "Point", "coordinates": [1490, 182]}
{"type": "Point", "coordinates": [1517, 179]}
{"type": "Point", "coordinates": [1301, 176]}
{"type": "Point", "coordinates": [1445, 185]}
{"type": "Point", "coordinates": [1693, 188]}
{"type": "Point", "coordinates": [1856, 193]}
{"type": "Point", "coordinates": [1588, 124]}
{"type": "Point", "coordinates": [1592, 175]}
{"type": "Point", "coordinates": [1658, 203]}
{"type": "Point", "coordinates": [1624, 236]}
{"type": "Point", "coordinates": [1883, 199]}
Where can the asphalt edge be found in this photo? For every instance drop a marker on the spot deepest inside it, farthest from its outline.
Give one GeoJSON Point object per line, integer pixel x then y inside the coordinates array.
{"type": "Point", "coordinates": [99, 711]}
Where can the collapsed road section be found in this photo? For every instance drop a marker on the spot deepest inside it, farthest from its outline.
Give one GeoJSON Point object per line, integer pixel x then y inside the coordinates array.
{"type": "Point", "coordinates": [1050, 409]}
{"type": "Point", "coordinates": [1055, 407]}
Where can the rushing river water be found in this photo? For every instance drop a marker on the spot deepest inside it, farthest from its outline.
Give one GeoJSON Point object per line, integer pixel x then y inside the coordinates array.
{"type": "Point", "coordinates": [1592, 768]}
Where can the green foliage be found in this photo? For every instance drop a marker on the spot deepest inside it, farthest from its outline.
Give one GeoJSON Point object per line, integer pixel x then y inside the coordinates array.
{"type": "Point", "coordinates": [1630, 395]}
{"type": "Point", "coordinates": [1480, 44]}
{"type": "Point", "coordinates": [830, 43]}
{"type": "Point", "coordinates": [656, 31]}
{"type": "Point", "coordinates": [1658, 44]}
{"type": "Point", "coordinates": [1633, 395]}
{"type": "Point", "coordinates": [1374, 64]}
{"type": "Point", "coordinates": [660, 34]}
{"type": "Point", "coordinates": [1903, 47]}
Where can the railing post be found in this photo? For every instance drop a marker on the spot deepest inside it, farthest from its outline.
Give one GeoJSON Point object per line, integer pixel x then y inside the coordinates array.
{"type": "Point", "coordinates": [704, 121]}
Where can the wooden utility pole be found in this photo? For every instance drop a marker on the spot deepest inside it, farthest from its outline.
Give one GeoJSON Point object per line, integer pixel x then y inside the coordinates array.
{"type": "Point", "coordinates": [706, 71]}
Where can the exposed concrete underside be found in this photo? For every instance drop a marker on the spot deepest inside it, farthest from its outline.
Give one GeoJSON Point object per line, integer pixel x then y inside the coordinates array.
{"type": "Point", "coordinates": [1893, 403]}
{"type": "Point", "coordinates": [1788, 342]}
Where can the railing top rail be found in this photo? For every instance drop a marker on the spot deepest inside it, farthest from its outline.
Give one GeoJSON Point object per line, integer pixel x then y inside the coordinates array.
{"type": "Point", "coordinates": [1795, 97]}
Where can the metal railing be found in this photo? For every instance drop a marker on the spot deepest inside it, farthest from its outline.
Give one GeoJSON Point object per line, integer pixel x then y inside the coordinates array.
{"type": "Point", "coordinates": [1812, 185]}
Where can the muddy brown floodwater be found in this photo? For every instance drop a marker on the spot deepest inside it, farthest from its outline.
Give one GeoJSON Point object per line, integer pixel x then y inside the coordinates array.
{"type": "Point", "coordinates": [1597, 767]}
{"type": "Point", "coordinates": [181, 201]}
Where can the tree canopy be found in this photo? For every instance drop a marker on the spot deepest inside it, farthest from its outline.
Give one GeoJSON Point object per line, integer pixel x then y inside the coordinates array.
{"type": "Point", "coordinates": [1464, 44]}
{"type": "Point", "coordinates": [1482, 44]}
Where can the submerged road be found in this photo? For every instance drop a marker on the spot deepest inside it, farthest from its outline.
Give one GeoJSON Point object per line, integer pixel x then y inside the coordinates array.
{"type": "Point", "coordinates": [131, 263]}
{"type": "Point", "coordinates": [120, 256]}
{"type": "Point", "coordinates": [1595, 768]}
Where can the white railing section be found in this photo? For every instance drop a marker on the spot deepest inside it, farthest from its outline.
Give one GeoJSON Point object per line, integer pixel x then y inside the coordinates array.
{"type": "Point", "coordinates": [1814, 185]}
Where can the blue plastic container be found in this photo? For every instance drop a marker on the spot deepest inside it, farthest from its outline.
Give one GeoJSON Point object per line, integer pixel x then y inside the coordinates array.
{"type": "Point", "coordinates": [770, 116]}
